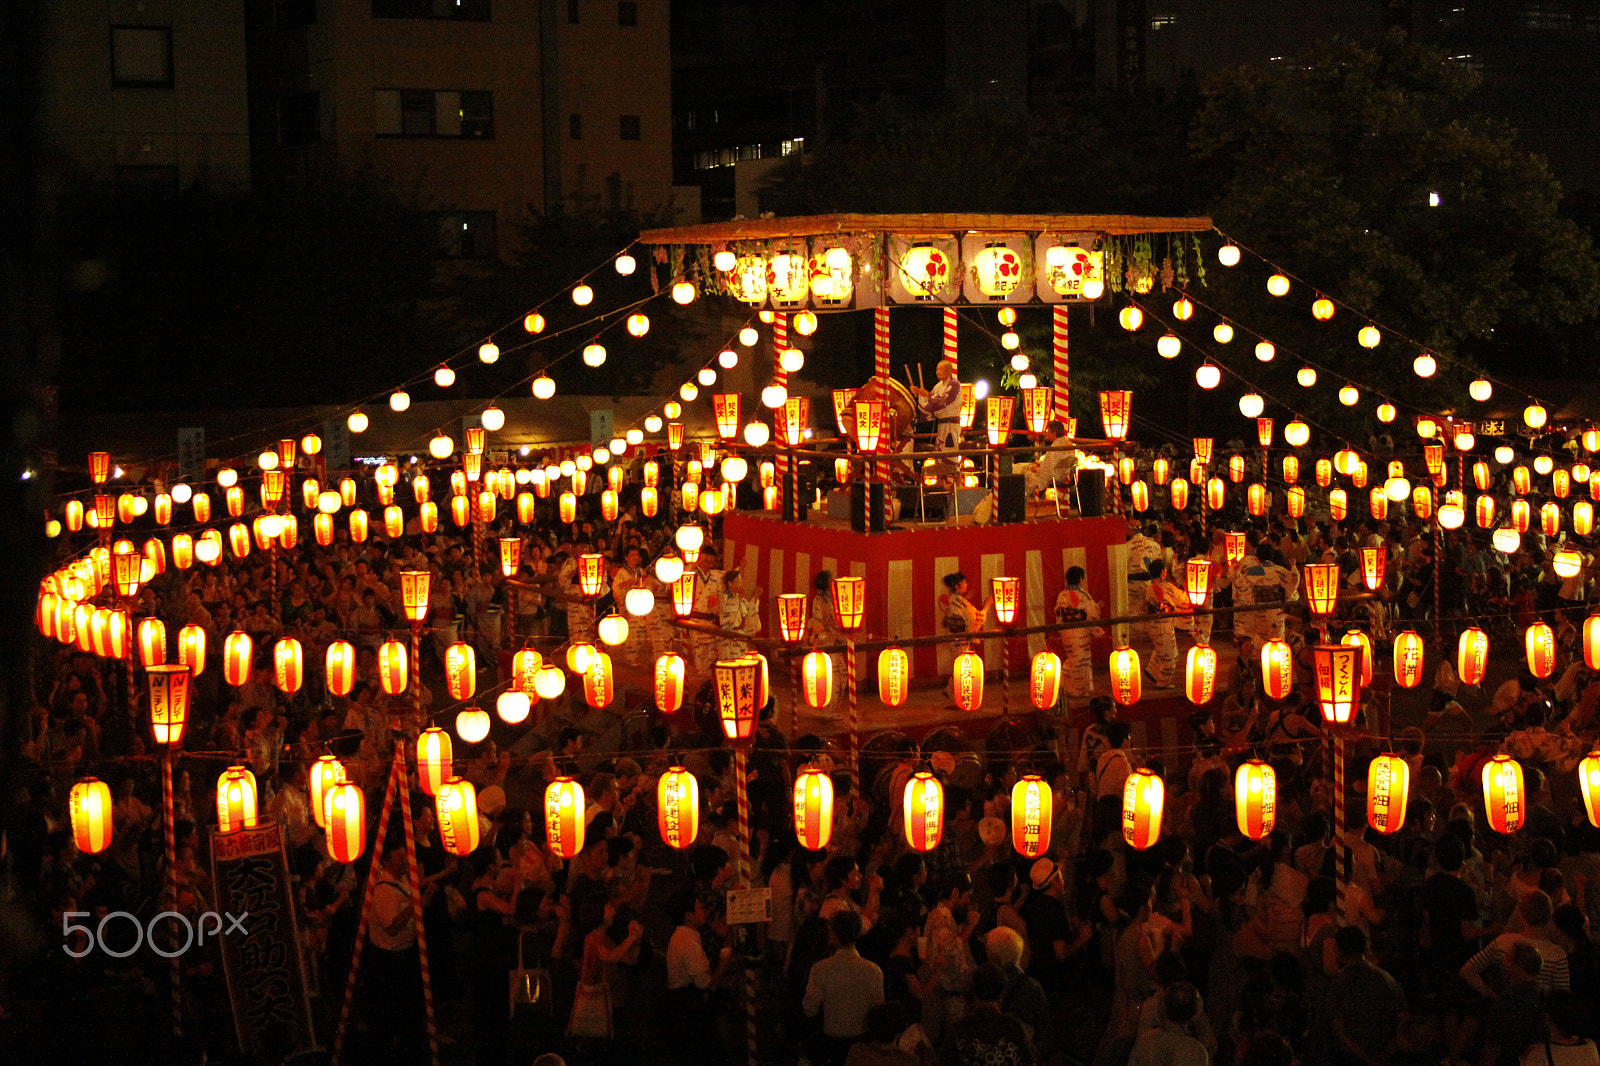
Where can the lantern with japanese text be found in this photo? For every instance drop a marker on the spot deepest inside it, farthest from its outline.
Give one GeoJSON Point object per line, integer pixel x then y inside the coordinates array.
{"type": "Point", "coordinates": [1591, 642]}
{"type": "Point", "coordinates": [678, 807]}
{"type": "Point", "coordinates": [1540, 642]}
{"type": "Point", "coordinates": [813, 808]}
{"type": "Point", "coordinates": [1197, 580]}
{"type": "Point", "coordinates": [849, 596]}
{"type": "Point", "coordinates": [1233, 546]}
{"type": "Point", "coordinates": [924, 811]}
{"type": "Point", "coordinates": [737, 684]}
{"type": "Point", "coordinates": [1589, 786]}
{"type": "Point", "coordinates": [1277, 668]}
{"type": "Point", "coordinates": [1321, 587]}
{"type": "Point", "coordinates": [1116, 407]}
{"type": "Point", "coordinates": [998, 410]}
{"type": "Point", "coordinates": [894, 676]}
{"type": "Point", "coordinates": [1255, 799]}
{"type": "Point", "coordinates": [1126, 676]}
{"type": "Point", "coordinates": [1143, 801]}
{"type": "Point", "coordinates": [339, 668]}
{"type": "Point", "coordinates": [1216, 493]}
{"type": "Point", "coordinates": [288, 665]}
{"type": "Point", "coordinates": [668, 681]}
{"type": "Point", "coordinates": [90, 813]}
{"type": "Point", "coordinates": [414, 588]}
{"type": "Point", "coordinates": [152, 642]}
{"type": "Point", "coordinates": [1235, 468]}
{"type": "Point", "coordinates": [599, 680]}
{"type": "Point", "coordinates": [1338, 681]}
{"type": "Point", "coordinates": [1180, 494]}
{"type": "Point", "coordinates": [393, 669]}
{"type": "Point", "coordinates": [1004, 592]}
{"type": "Point", "coordinates": [966, 680]}
{"type": "Point", "coordinates": [1200, 674]}
{"type": "Point", "coordinates": [1388, 789]}
{"type": "Point", "coordinates": [237, 655]}
{"type": "Point", "coordinates": [1323, 473]}
{"type": "Point", "coordinates": [236, 800]}
{"type": "Point", "coordinates": [523, 666]}
{"type": "Point", "coordinates": [1504, 797]}
{"type": "Point", "coordinates": [435, 755]}
{"type": "Point", "coordinates": [1359, 639]}
{"type": "Point", "coordinates": [323, 774]}
{"type": "Point", "coordinates": [461, 670]}
{"type": "Point", "coordinates": [1294, 501]}
{"type": "Point", "coordinates": [455, 807]}
{"type": "Point", "coordinates": [1032, 808]}
{"type": "Point", "coordinates": [1338, 504]}
{"type": "Point", "coordinates": [1373, 561]}
{"type": "Point", "coordinates": [169, 703]}
{"type": "Point", "coordinates": [1472, 656]}
{"type": "Point", "coordinates": [1408, 659]}
{"type": "Point", "coordinates": [192, 649]}
{"type": "Point", "coordinates": [564, 817]}
{"type": "Point", "coordinates": [1044, 680]}
{"type": "Point", "coordinates": [345, 812]}
{"type": "Point", "coordinates": [792, 608]}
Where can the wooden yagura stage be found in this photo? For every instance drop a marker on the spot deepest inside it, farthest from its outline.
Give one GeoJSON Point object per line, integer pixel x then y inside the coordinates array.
{"type": "Point", "coordinates": [905, 572]}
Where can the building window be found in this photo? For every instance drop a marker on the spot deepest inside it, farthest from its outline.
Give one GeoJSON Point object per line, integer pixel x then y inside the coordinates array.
{"type": "Point", "coordinates": [299, 119]}
{"type": "Point", "coordinates": [1163, 22]}
{"type": "Point", "coordinates": [795, 146]}
{"type": "Point", "coordinates": [575, 127]}
{"type": "Point", "coordinates": [442, 10]}
{"type": "Point", "coordinates": [450, 113]}
{"type": "Point", "coordinates": [466, 234]}
{"type": "Point", "coordinates": [630, 127]}
{"type": "Point", "coordinates": [627, 13]}
{"type": "Point", "coordinates": [572, 12]}
{"type": "Point", "coordinates": [141, 57]}
{"type": "Point", "coordinates": [161, 181]}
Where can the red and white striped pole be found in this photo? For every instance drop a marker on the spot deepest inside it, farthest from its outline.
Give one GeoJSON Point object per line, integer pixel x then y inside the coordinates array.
{"type": "Point", "coordinates": [880, 372]}
{"type": "Point", "coordinates": [1339, 824]}
{"type": "Point", "coordinates": [1058, 344]}
{"type": "Point", "coordinates": [855, 713]}
{"type": "Point", "coordinates": [741, 784]}
{"type": "Point", "coordinates": [170, 889]}
{"type": "Point", "coordinates": [374, 871]}
{"type": "Point", "coordinates": [949, 353]}
{"type": "Point", "coordinates": [780, 376]}
{"type": "Point", "coordinates": [414, 875]}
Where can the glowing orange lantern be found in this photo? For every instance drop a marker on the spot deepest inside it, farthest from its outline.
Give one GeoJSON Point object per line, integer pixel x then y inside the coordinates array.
{"type": "Point", "coordinates": [813, 808]}
{"type": "Point", "coordinates": [1550, 519]}
{"type": "Point", "coordinates": [966, 681]}
{"type": "Point", "coordinates": [1504, 796]}
{"type": "Point", "coordinates": [1484, 510]}
{"type": "Point", "coordinates": [1408, 659]}
{"type": "Point", "coordinates": [1044, 680]}
{"type": "Point", "coordinates": [1591, 642]}
{"type": "Point", "coordinates": [414, 586]}
{"type": "Point", "coordinates": [393, 668]}
{"type": "Point", "coordinates": [1357, 638]}
{"type": "Point", "coordinates": [1277, 668]}
{"type": "Point", "coordinates": [1235, 468]}
{"type": "Point", "coordinates": [169, 703]}
{"type": "Point", "coordinates": [1323, 473]}
{"type": "Point", "coordinates": [1338, 681]}
{"type": "Point", "coordinates": [564, 817]}
{"type": "Point", "coordinates": [669, 674]}
{"type": "Point", "coordinates": [1180, 494]}
{"type": "Point", "coordinates": [849, 602]}
{"type": "Point", "coordinates": [792, 608]}
{"type": "Point", "coordinates": [1472, 656]}
{"type": "Point", "coordinates": [288, 665]}
{"type": "Point", "coordinates": [1373, 561]}
{"type": "Point", "coordinates": [1216, 493]}
{"type": "Point", "coordinates": [89, 810]}
{"type": "Point", "coordinates": [1200, 674]}
{"type": "Point", "coordinates": [1255, 799]}
{"type": "Point", "coordinates": [326, 772]}
{"type": "Point", "coordinates": [924, 811]}
{"type": "Point", "coordinates": [1143, 800]}
{"type": "Point", "coordinates": [435, 759]}
{"type": "Point", "coordinates": [236, 800]}
{"type": "Point", "coordinates": [345, 812]}
{"type": "Point", "coordinates": [152, 642]}
{"type": "Point", "coordinates": [455, 807]}
{"type": "Point", "coordinates": [1126, 676]}
{"type": "Point", "coordinates": [1032, 808]}
{"type": "Point", "coordinates": [738, 683]}
{"type": "Point", "coordinates": [678, 807]}
{"type": "Point", "coordinates": [1322, 587]}
{"type": "Point", "coordinates": [1540, 642]}
{"type": "Point", "coordinates": [1233, 546]}
{"type": "Point", "coordinates": [237, 653]}
{"type": "Point", "coordinates": [339, 670]}
{"type": "Point", "coordinates": [599, 680]}
{"type": "Point", "coordinates": [1388, 790]}
{"type": "Point", "coordinates": [998, 411]}
{"type": "Point", "coordinates": [894, 676]}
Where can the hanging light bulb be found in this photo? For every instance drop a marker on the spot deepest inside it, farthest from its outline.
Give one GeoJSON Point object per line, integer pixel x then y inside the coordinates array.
{"type": "Point", "coordinates": [1207, 375]}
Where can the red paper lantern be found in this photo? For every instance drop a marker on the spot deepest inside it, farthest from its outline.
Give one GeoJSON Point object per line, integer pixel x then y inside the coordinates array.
{"type": "Point", "coordinates": [1126, 676]}
{"type": "Point", "coordinates": [237, 653]}
{"type": "Point", "coordinates": [813, 808]}
{"type": "Point", "coordinates": [455, 808]}
{"type": "Point", "coordinates": [1373, 561]}
{"type": "Point", "coordinates": [1591, 642]}
{"type": "Point", "coordinates": [461, 670]}
{"type": "Point", "coordinates": [1505, 799]}
{"type": "Point", "coordinates": [1338, 681]}
{"type": "Point", "coordinates": [394, 674]}
{"type": "Point", "coordinates": [816, 679]}
{"type": "Point", "coordinates": [894, 676]}
{"type": "Point", "coordinates": [89, 810]}
{"type": "Point", "coordinates": [1044, 680]}
{"type": "Point", "coordinates": [1200, 674]}
{"type": "Point", "coordinates": [345, 811]}
{"type": "Point", "coordinates": [1255, 799]}
{"type": "Point", "coordinates": [564, 817]}
{"type": "Point", "coordinates": [1388, 788]}
{"type": "Point", "coordinates": [1589, 786]}
{"type": "Point", "coordinates": [1322, 587]}
{"type": "Point", "coordinates": [1357, 638]}
{"type": "Point", "coordinates": [966, 680]}
{"type": "Point", "coordinates": [924, 811]}
{"type": "Point", "coordinates": [1143, 800]}
{"type": "Point", "coordinates": [435, 759]}
{"type": "Point", "coordinates": [1472, 656]}
{"type": "Point", "coordinates": [326, 772]}
{"type": "Point", "coordinates": [152, 642]}
{"type": "Point", "coordinates": [792, 609]}
{"type": "Point", "coordinates": [1032, 808]}
{"type": "Point", "coordinates": [738, 683]}
{"type": "Point", "coordinates": [1540, 642]}
{"type": "Point", "coordinates": [236, 800]}
{"type": "Point", "coordinates": [599, 680]}
{"type": "Point", "coordinates": [288, 665]}
{"type": "Point", "coordinates": [1277, 668]}
{"type": "Point", "coordinates": [192, 649]}
{"type": "Point", "coordinates": [678, 807]}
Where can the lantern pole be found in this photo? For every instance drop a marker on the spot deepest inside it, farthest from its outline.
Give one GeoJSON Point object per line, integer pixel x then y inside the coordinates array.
{"type": "Point", "coordinates": [373, 870]}
{"type": "Point", "coordinates": [413, 876]}
{"type": "Point", "coordinates": [170, 890]}
{"type": "Point", "coordinates": [1339, 816]}
{"type": "Point", "coordinates": [855, 710]}
{"type": "Point", "coordinates": [741, 776]}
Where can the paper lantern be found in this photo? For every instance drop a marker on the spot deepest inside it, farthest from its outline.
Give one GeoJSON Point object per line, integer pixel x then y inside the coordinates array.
{"type": "Point", "coordinates": [1373, 562]}
{"type": "Point", "coordinates": [414, 589]}
{"type": "Point", "coordinates": [339, 668]}
{"type": "Point", "coordinates": [849, 602]}
{"type": "Point", "coordinates": [1277, 668]}
{"type": "Point", "coordinates": [513, 706]}
{"type": "Point", "coordinates": [1357, 638]}
{"type": "Point", "coordinates": [549, 681]}
{"type": "Point", "coordinates": [1126, 676]}
{"type": "Point", "coordinates": [1257, 499]}
{"type": "Point", "coordinates": [90, 812]}
{"type": "Point", "coordinates": [792, 610]}
{"type": "Point", "coordinates": [1589, 786]}
{"type": "Point", "coordinates": [1032, 809]}
{"type": "Point", "coordinates": [345, 812]}
{"type": "Point", "coordinates": [472, 725]}
{"type": "Point", "coordinates": [613, 628]}
{"type": "Point", "coordinates": [455, 806]}
{"type": "Point", "coordinates": [564, 817]}
{"type": "Point", "coordinates": [1472, 656]}
{"type": "Point", "coordinates": [1200, 674]}
{"type": "Point", "coordinates": [1044, 680]}
{"type": "Point", "coordinates": [1321, 587]}
{"type": "Point", "coordinates": [998, 410]}
{"type": "Point", "coordinates": [1591, 642]}
{"type": "Point", "coordinates": [1338, 681]}
{"type": "Point", "coordinates": [192, 649]}
{"type": "Point", "coordinates": [288, 665]}
{"type": "Point", "coordinates": [1408, 659]}
{"type": "Point", "coordinates": [326, 772]}
{"type": "Point", "coordinates": [1143, 800]}
{"type": "Point", "coordinates": [1583, 518]}
{"type": "Point", "coordinates": [1504, 797]}
{"type": "Point", "coordinates": [1540, 642]}
{"type": "Point", "coordinates": [678, 807]}
{"type": "Point", "coordinates": [1388, 790]}
{"type": "Point", "coordinates": [669, 674]}
{"type": "Point", "coordinates": [152, 642]}
{"type": "Point", "coordinates": [894, 676]}
{"type": "Point", "coordinates": [236, 800]}
{"type": "Point", "coordinates": [237, 653]}
{"type": "Point", "coordinates": [813, 808]}
{"type": "Point", "coordinates": [1004, 592]}
{"type": "Point", "coordinates": [169, 703]}
{"type": "Point", "coordinates": [1255, 799]}
{"type": "Point", "coordinates": [461, 670]}
{"type": "Point", "coordinates": [924, 811]}
{"type": "Point", "coordinates": [1216, 493]}
{"type": "Point", "coordinates": [738, 687]}
{"type": "Point", "coordinates": [1235, 468]}
{"type": "Point", "coordinates": [1180, 494]}
{"type": "Point", "coordinates": [1116, 408]}
{"type": "Point", "coordinates": [599, 680]}
{"type": "Point", "coordinates": [393, 669]}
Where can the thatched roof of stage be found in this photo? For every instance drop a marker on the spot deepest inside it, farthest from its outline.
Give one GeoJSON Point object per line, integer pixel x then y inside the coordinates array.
{"type": "Point", "coordinates": [923, 225]}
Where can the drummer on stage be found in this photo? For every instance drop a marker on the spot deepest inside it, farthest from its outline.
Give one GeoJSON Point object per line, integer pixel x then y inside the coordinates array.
{"type": "Point", "coordinates": [942, 403]}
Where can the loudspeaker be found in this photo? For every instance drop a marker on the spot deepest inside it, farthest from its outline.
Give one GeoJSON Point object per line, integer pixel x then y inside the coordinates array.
{"type": "Point", "coordinates": [867, 507]}
{"type": "Point", "coordinates": [1091, 493]}
{"type": "Point", "coordinates": [1013, 501]}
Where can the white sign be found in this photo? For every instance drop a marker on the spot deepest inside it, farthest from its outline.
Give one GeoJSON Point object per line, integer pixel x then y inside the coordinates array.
{"type": "Point", "coordinates": [746, 905]}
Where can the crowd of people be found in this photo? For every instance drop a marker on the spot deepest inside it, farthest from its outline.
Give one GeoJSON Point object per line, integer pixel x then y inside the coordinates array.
{"type": "Point", "coordinates": [1443, 942]}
